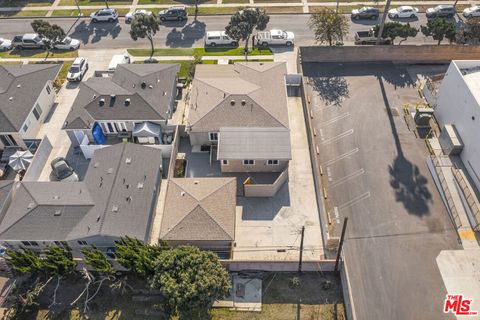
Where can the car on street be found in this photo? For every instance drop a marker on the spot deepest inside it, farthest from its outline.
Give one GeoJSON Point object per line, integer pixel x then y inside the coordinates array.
{"type": "Point", "coordinates": [67, 44]}
{"type": "Point", "coordinates": [365, 13]}
{"type": "Point", "coordinates": [177, 13]}
{"type": "Point", "coordinates": [473, 11]}
{"type": "Point", "coordinates": [403, 12]}
{"type": "Point", "coordinates": [368, 37]}
{"type": "Point", "coordinates": [62, 170]}
{"type": "Point", "coordinates": [77, 70]}
{"type": "Point", "coordinates": [28, 41]}
{"type": "Point", "coordinates": [131, 15]}
{"type": "Point", "coordinates": [219, 38]}
{"type": "Point", "coordinates": [275, 37]}
{"type": "Point", "coordinates": [441, 11]}
{"type": "Point", "coordinates": [5, 44]}
{"type": "Point", "coordinates": [104, 15]}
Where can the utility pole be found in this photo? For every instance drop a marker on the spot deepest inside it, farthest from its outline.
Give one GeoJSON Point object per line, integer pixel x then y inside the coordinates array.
{"type": "Point", "coordinates": [382, 24]}
{"type": "Point", "coordinates": [106, 4]}
{"type": "Point", "coordinates": [301, 250]}
{"type": "Point", "coordinates": [340, 245]}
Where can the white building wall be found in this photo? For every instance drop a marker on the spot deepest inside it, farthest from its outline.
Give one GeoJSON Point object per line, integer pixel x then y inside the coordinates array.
{"type": "Point", "coordinates": [457, 105]}
{"type": "Point", "coordinates": [45, 101]}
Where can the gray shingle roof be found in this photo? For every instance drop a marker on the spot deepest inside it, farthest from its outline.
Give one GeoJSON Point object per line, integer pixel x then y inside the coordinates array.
{"type": "Point", "coordinates": [20, 86]}
{"type": "Point", "coordinates": [257, 89]}
{"type": "Point", "coordinates": [115, 199]}
{"type": "Point", "coordinates": [254, 143]}
{"type": "Point", "coordinates": [149, 103]}
{"type": "Point", "coordinates": [199, 209]}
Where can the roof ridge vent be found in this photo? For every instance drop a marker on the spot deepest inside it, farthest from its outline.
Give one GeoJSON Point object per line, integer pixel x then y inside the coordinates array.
{"type": "Point", "coordinates": [101, 102]}
{"type": "Point", "coordinates": [143, 85]}
{"type": "Point", "coordinates": [244, 102]}
{"type": "Point", "coordinates": [232, 102]}
{"type": "Point", "coordinates": [114, 208]}
{"type": "Point", "coordinates": [128, 160]}
{"type": "Point", "coordinates": [19, 85]}
{"type": "Point", "coordinates": [110, 171]}
{"type": "Point", "coordinates": [150, 86]}
{"type": "Point", "coordinates": [127, 102]}
{"type": "Point", "coordinates": [56, 197]}
{"type": "Point", "coordinates": [11, 98]}
{"type": "Point", "coordinates": [31, 205]}
{"type": "Point", "coordinates": [140, 185]}
{"type": "Point", "coordinates": [182, 193]}
{"type": "Point", "coordinates": [57, 213]}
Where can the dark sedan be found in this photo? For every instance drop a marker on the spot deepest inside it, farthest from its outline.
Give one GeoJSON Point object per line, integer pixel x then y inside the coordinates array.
{"type": "Point", "coordinates": [365, 13]}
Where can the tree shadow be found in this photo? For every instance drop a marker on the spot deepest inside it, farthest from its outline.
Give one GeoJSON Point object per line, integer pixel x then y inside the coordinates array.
{"type": "Point", "coordinates": [94, 32]}
{"type": "Point", "coordinates": [186, 36]}
{"type": "Point", "coordinates": [332, 90]}
{"type": "Point", "coordinates": [365, 22]}
{"type": "Point", "coordinates": [409, 184]}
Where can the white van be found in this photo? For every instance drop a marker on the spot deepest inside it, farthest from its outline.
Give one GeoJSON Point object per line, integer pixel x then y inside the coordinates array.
{"type": "Point", "coordinates": [118, 59]}
{"type": "Point", "coordinates": [219, 38]}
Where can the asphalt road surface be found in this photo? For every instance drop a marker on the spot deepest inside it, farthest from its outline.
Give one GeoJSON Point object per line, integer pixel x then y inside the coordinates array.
{"type": "Point", "coordinates": [184, 34]}
{"type": "Point", "coordinates": [376, 174]}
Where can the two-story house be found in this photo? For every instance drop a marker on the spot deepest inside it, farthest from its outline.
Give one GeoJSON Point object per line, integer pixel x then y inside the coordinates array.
{"type": "Point", "coordinates": [26, 97]}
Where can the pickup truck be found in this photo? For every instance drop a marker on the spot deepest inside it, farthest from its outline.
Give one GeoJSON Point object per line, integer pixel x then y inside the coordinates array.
{"type": "Point", "coordinates": [368, 37]}
{"type": "Point", "coordinates": [275, 37]}
{"type": "Point", "coordinates": [28, 41]}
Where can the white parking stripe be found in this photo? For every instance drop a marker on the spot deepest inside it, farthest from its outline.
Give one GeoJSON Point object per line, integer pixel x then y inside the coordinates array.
{"type": "Point", "coordinates": [334, 119]}
{"type": "Point", "coordinates": [354, 201]}
{"type": "Point", "coordinates": [348, 177]}
{"type": "Point", "coordinates": [341, 157]}
{"type": "Point", "coordinates": [340, 136]}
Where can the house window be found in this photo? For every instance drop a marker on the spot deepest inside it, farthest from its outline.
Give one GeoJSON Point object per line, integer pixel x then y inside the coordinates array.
{"type": "Point", "coordinates": [248, 162]}
{"type": "Point", "coordinates": [82, 242]}
{"type": "Point", "coordinates": [213, 136]}
{"type": "Point", "coordinates": [26, 125]}
{"type": "Point", "coordinates": [48, 89]}
{"type": "Point", "coordinates": [272, 162]}
{"type": "Point", "coordinates": [37, 111]}
{"type": "Point", "coordinates": [7, 140]}
{"type": "Point", "coordinates": [30, 243]}
{"type": "Point", "coordinates": [26, 243]}
{"type": "Point", "coordinates": [225, 162]}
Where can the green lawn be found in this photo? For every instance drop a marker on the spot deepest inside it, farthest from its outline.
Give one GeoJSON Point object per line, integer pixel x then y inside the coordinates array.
{"type": "Point", "coordinates": [235, 1]}
{"type": "Point", "coordinates": [179, 2]}
{"type": "Point", "coordinates": [25, 3]}
{"type": "Point", "coordinates": [200, 51]}
{"type": "Point", "coordinates": [11, 62]}
{"type": "Point", "coordinates": [85, 12]}
{"type": "Point", "coordinates": [214, 10]}
{"type": "Point", "coordinates": [29, 13]}
{"type": "Point", "coordinates": [272, 10]}
{"type": "Point", "coordinates": [37, 54]}
{"type": "Point", "coordinates": [93, 2]}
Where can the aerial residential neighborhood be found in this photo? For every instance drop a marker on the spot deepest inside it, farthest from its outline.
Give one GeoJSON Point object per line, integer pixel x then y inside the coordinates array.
{"type": "Point", "coordinates": [232, 159]}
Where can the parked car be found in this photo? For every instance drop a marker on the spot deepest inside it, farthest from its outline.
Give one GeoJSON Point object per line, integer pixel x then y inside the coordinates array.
{"type": "Point", "coordinates": [104, 15]}
{"type": "Point", "coordinates": [275, 37]}
{"type": "Point", "coordinates": [368, 37]}
{"type": "Point", "coordinates": [28, 41]}
{"type": "Point", "coordinates": [118, 59]}
{"type": "Point", "coordinates": [403, 12]}
{"type": "Point", "coordinates": [67, 44]}
{"type": "Point", "coordinates": [473, 11]}
{"type": "Point", "coordinates": [178, 13]}
{"type": "Point", "coordinates": [77, 70]}
{"type": "Point", "coordinates": [441, 11]}
{"type": "Point", "coordinates": [365, 13]}
{"type": "Point", "coordinates": [131, 15]}
{"type": "Point", "coordinates": [62, 170]}
{"type": "Point", "coordinates": [219, 38]}
{"type": "Point", "coordinates": [5, 44]}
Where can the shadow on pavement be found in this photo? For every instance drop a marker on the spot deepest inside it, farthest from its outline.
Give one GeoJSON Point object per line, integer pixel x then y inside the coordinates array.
{"type": "Point", "coordinates": [94, 32]}
{"type": "Point", "coordinates": [332, 90]}
{"type": "Point", "coordinates": [265, 208]}
{"type": "Point", "coordinates": [186, 36]}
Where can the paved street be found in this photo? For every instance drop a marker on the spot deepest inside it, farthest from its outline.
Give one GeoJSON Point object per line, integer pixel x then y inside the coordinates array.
{"type": "Point", "coordinates": [376, 174]}
{"type": "Point", "coordinates": [182, 35]}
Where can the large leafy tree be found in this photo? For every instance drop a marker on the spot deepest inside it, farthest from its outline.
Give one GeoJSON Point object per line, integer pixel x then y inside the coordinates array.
{"type": "Point", "coordinates": [24, 261]}
{"type": "Point", "coordinates": [439, 29]}
{"type": "Point", "coordinates": [243, 22]}
{"type": "Point", "coordinates": [190, 279]}
{"type": "Point", "coordinates": [58, 261]}
{"type": "Point", "coordinates": [95, 258]}
{"type": "Point", "coordinates": [328, 26]}
{"type": "Point", "coordinates": [137, 257]}
{"type": "Point", "coordinates": [393, 30]}
{"type": "Point", "coordinates": [145, 26]}
{"type": "Point", "coordinates": [51, 33]}
{"type": "Point", "coordinates": [469, 32]}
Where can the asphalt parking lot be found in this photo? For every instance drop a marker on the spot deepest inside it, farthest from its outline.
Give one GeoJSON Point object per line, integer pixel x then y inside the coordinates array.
{"type": "Point", "coordinates": [375, 173]}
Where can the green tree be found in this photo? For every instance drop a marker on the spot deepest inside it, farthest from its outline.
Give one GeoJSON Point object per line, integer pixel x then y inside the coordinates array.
{"type": "Point", "coordinates": [58, 261]}
{"type": "Point", "coordinates": [95, 258]}
{"type": "Point", "coordinates": [393, 30]}
{"type": "Point", "coordinates": [439, 29]}
{"type": "Point", "coordinates": [51, 33]}
{"type": "Point", "coordinates": [145, 26]}
{"type": "Point", "coordinates": [190, 279]}
{"type": "Point", "coordinates": [243, 22]}
{"type": "Point", "coordinates": [24, 261]}
{"type": "Point", "coordinates": [328, 26]}
{"type": "Point", "coordinates": [137, 256]}
{"type": "Point", "coordinates": [469, 32]}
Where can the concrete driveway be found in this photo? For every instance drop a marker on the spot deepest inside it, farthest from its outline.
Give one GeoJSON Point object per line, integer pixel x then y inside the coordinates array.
{"type": "Point", "coordinates": [376, 174]}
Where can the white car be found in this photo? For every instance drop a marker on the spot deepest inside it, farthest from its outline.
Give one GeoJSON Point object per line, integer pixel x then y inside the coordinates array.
{"type": "Point", "coordinates": [67, 44]}
{"type": "Point", "coordinates": [471, 12]}
{"type": "Point", "coordinates": [5, 44]}
{"type": "Point", "coordinates": [77, 70]}
{"type": "Point", "coordinates": [403, 12]}
{"type": "Point", "coordinates": [219, 38]}
{"type": "Point", "coordinates": [104, 15]}
{"type": "Point", "coordinates": [275, 37]}
{"type": "Point", "coordinates": [131, 15]}
{"type": "Point", "coordinates": [119, 59]}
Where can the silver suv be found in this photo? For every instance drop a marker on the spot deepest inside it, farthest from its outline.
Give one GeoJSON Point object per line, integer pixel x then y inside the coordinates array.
{"type": "Point", "coordinates": [104, 15]}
